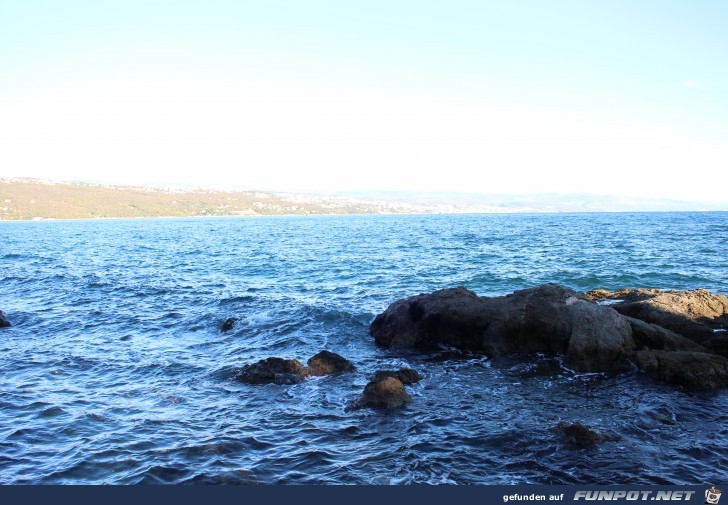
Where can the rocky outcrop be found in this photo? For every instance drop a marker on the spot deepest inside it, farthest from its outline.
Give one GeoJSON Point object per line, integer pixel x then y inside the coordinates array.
{"type": "Point", "coordinates": [550, 319]}
{"type": "Point", "coordinates": [580, 435]}
{"type": "Point", "coordinates": [695, 314]}
{"type": "Point", "coordinates": [386, 393]}
{"type": "Point", "coordinates": [685, 368]}
{"type": "Point", "coordinates": [4, 323]}
{"type": "Point", "coordinates": [533, 320]}
{"type": "Point", "coordinates": [291, 371]}
{"type": "Point", "coordinates": [554, 319]}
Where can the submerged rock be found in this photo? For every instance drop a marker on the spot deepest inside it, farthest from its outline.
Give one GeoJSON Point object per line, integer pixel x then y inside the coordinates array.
{"type": "Point", "coordinates": [228, 324]}
{"type": "Point", "coordinates": [386, 393]}
{"type": "Point", "coordinates": [326, 363]}
{"type": "Point", "coordinates": [4, 323]}
{"type": "Point", "coordinates": [580, 435]}
{"type": "Point", "coordinates": [406, 376]}
{"type": "Point", "coordinates": [556, 320]}
{"type": "Point", "coordinates": [272, 371]}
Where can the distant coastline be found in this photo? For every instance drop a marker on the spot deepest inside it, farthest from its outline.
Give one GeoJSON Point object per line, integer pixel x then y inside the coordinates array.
{"type": "Point", "coordinates": [33, 199]}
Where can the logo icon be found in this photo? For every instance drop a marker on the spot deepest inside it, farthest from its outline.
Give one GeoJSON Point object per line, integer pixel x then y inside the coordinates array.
{"type": "Point", "coordinates": [712, 496]}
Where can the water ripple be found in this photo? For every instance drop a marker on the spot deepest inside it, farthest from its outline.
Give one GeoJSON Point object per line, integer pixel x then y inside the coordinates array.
{"type": "Point", "coordinates": [116, 369]}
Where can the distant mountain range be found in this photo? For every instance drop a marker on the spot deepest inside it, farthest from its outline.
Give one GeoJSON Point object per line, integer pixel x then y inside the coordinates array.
{"type": "Point", "coordinates": [28, 199]}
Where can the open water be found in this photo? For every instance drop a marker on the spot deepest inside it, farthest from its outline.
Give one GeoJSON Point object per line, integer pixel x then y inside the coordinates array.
{"type": "Point", "coordinates": [116, 371]}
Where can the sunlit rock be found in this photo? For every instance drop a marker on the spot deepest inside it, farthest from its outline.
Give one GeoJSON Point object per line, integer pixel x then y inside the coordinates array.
{"type": "Point", "coordinates": [387, 393]}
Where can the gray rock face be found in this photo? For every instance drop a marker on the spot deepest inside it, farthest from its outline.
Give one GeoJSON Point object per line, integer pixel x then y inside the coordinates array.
{"type": "Point", "coordinates": [601, 339]}
{"type": "Point", "coordinates": [387, 393]}
{"type": "Point", "coordinates": [685, 368]}
{"type": "Point", "coordinates": [650, 336]}
{"type": "Point", "coordinates": [4, 323]}
{"type": "Point", "coordinates": [554, 319]}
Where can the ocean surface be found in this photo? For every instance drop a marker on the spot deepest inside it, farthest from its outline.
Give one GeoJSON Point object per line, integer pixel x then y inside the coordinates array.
{"type": "Point", "coordinates": [116, 371]}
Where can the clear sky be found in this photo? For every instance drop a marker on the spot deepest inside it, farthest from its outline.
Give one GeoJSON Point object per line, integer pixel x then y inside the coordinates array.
{"type": "Point", "coordinates": [611, 97]}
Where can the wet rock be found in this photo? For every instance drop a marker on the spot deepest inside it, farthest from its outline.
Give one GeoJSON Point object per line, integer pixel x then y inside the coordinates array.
{"type": "Point", "coordinates": [685, 368]}
{"type": "Point", "coordinates": [693, 314]}
{"type": "Point", "coordinates": [387, 393]}
{"type": "Point", "coordinates": [228, 324]}
{"type": "Point", "coordinates": [273, 371]}
{"type": "Point", "coordinates": [327, 362]}
{"type": "Point", "coordinates": [406, 376]}
{"type": "Point", "coordinates": [580, 435]}
{"type": "Point", "coordinates": [4, 323]}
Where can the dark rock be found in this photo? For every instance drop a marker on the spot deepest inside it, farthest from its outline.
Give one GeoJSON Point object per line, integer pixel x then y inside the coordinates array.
{"type": "Point", "coordinates": [453, 316]}
{"type": "Point", "coordinates": [648, 336]}
{"type": "Point", "coordinates": [273, 371]}
{"type": "Point", "coordinates": [685, 368]}
{"type": "Point", "coordinates": [693, 314]}
{"type": "Point", "coordinates": [580, 435]}
{"type": "Point", "coordinates": [228, 324]}
{"type": "Point", "coordinates": [553, 319]}
{"type": "Point", "coordinates": [387, 393]}
{"type": "Point", "coordinates": [326, 362]}
{"type": "Point", "coordinates": [601, 339]}
{"type": "Point", "coordinates": [4, 323]}
{"type": "Point", "coordinates": [719, 345]}
{"type": "Point", "coordinates": [406, 376]}
{"type": "Point", "coordinates": [542, 319]}
{"type": "Point", "coordinates": [531, 320]}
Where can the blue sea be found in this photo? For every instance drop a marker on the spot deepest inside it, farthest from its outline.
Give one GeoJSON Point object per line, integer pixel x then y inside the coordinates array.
{"type": "Point", "coordinates": [116, 371]}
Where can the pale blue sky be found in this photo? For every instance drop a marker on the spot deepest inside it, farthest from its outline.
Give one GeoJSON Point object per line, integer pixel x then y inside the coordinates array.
{"type": "Point", "coordinates": [591, 96]}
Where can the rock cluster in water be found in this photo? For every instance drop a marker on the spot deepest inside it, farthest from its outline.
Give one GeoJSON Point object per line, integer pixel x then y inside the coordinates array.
{"type": "Point", "coordinates": [385, 390]}
{"type": "Point", "coordinates": [4, 323]}
{"type": "Point", "coordinates": [292, 371]}
{"type": "Point", "coordinates": [671, 336]}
